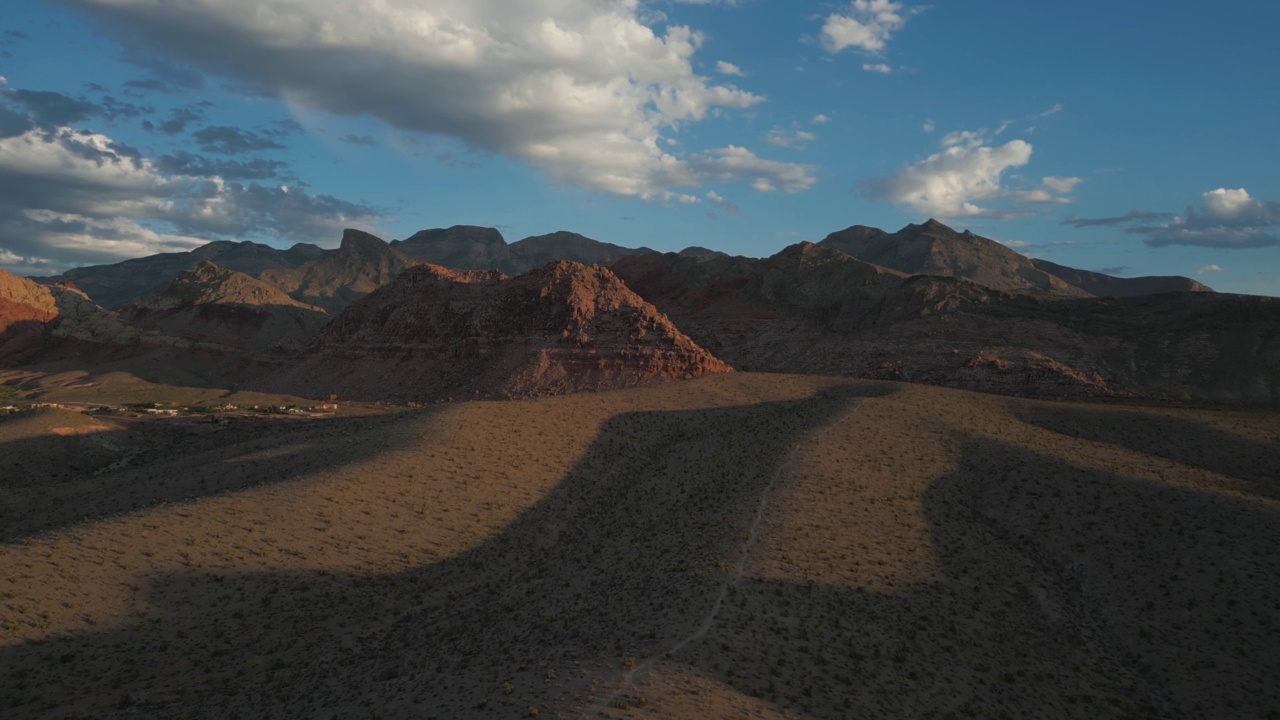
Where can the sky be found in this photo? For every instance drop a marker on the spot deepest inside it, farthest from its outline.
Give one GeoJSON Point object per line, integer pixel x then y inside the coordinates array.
{"type": "Point", "coordinates": [1129, 138]}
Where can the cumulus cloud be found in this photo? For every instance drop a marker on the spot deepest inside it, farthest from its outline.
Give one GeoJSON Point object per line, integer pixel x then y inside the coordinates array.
{"type": "Point", "coordinates": [865, 24]}
{"type": "Point", "coordinates": [820, 119]}
{"type": "Point", "coordinates": [1208, 269]}
{"type": "Point", "coordinates": [952, 182]}
{"type": "Point", "coordinates": [73, 197]}
{"type": "Point", "coordinates": [582, 89]}
{"type": "Point", "coordinates": [737, 163]}
{"type": "Point", "coordinates": [782, 137]}
{"type": "Point", "coordinates": [881, 68]}
{"type": "Point", "coordinates": [728, 68]}
{"type": "Point", "coordinates": [929, 126]}
{"type": "Point", "coordinates": [1226, 218]}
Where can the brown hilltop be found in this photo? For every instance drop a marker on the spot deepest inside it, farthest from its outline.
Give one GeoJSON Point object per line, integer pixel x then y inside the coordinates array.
{"type": "Point", "coordinates": [1104, 285]}
{"type": "Point", "coordinates": [231, 311]}
{"type": "Point", "coordinates": [45, 321]}
{"type": "Point", "coordinates": [437, 333]}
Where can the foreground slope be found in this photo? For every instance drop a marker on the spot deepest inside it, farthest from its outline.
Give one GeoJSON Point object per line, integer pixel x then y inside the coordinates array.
{"type": "Point", "coordinates": [436, 333]}
{"type": "Point", "coordinates": [760, 545]}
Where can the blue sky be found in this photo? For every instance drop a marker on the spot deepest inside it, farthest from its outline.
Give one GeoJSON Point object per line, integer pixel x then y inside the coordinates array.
{"type": "Point", "coordinates": [1133, 138]}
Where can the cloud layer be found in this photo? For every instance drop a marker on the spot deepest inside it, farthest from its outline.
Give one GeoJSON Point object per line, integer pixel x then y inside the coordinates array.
{"type": "Point", "coordinates": [581, 89]}
{"type": "Point", "coordinates": [73, 196]}
{"type": "Point", "coordinates": [1226, 218]}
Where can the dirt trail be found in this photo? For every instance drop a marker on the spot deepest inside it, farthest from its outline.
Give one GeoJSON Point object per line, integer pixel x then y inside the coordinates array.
{"type": "Point", "coordinates": [709, 619]}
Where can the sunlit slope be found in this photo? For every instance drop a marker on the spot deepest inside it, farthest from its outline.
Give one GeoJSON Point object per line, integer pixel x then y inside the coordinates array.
{"type": "Point", "coordinates": [778, 546]}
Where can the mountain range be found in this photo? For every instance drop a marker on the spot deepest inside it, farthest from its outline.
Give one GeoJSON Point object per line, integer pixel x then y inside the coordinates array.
{"type": "Point", "coordinates": [458, 312]}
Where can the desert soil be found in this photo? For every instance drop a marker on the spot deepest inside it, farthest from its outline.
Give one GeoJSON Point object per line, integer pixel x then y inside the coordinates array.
{"type": "Point", "coordinates": [744, 545]}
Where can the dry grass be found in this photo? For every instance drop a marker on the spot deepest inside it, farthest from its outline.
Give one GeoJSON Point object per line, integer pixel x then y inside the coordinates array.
{"type": "Point", "coordinates": [924, 553]}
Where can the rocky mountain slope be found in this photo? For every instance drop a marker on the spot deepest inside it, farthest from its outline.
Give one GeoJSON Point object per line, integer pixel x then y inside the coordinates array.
{"type": "Point", "coordinates": [466, 247]}
{"type": "Point", "coordinates": [1103, 285]}
{"type": "Point", "coordinates": [117, 285]}
{"type": "Point", "coordinates": [935, 249]}
{"type": "Point", "coordinates": [39, 321]}
{"type": "Point", "coordinates": [225, 310]}
{"type": "Point", "coordinates": [361, 264]}
{"type": "Point", "coordinates": [437, 333]}
{"type": "Point", "coordinates": [813, 309]}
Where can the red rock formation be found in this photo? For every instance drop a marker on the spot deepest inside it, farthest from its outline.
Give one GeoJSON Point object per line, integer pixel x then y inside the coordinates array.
{"type": "Point", "coordinates": [436, 333]}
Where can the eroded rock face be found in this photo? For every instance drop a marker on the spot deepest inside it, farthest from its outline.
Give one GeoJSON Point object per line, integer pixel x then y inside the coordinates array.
{"type": "Point", "coordinates": [436, 333]}
{"type": "Point", "coordinates": [40, 321]}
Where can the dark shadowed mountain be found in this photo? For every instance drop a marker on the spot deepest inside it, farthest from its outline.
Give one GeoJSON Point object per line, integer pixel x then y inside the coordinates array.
{"type": "Point", "coordinates": [935, 249]}
{"type": "Point", "coordinates": [1102, 285]}
{"type": "Point", "coordinates": [361, 264]}
{"type": "Point", "coordinates": [436, 333]}
{"type": "Point", "coordinates": [224, 310]}
{"type": "Point", "coordinates": [466, 247]}
{"type": "Point", "coordinates": [117, 285]}
{"type": "Point", "coordinates": [811, 308]}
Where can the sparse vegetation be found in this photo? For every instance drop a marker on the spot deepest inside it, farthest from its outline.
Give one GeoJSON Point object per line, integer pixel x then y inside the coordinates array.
{"type": "Point", "coordinates": [922, 553]}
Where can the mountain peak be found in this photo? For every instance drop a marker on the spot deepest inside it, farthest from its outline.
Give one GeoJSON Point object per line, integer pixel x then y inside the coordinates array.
{"type": "Point", "coordinates": [356, 240]}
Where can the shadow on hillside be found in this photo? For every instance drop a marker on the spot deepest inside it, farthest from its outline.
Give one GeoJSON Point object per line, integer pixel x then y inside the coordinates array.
{"type": "Point", "coordinates": [1172, 437]}
{"type": "Point", "coordinates": [162, 464]}
{"type": "Point", "coordinates": [1068, 592]}
{"type": "Point", "coordinates": [618, 561]}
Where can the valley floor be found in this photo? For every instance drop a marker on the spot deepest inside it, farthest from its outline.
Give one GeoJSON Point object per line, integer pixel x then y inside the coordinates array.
{"type": "Point", "coordinates": [744, 545]}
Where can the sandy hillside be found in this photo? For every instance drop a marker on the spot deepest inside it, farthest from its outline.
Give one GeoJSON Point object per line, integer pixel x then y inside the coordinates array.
{"type": "Point", "coordinates": [737, 546]}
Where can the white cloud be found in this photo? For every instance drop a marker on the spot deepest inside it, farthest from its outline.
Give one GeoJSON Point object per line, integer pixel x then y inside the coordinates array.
{"type": "Point", "coordinates": [733, 163]}
{"type": "Point", "coordinates": [1226, 218]}
{"type": "Point", "coordinates": [966, 138]}
{"type": "Point", "coordinates": [952, 182]}
{"type": "Point", "coordinates": [820, 119]}
{"type": "Point", "coordinates": [728, 68]}
{"type": "Point", "coordinates": [929, 126]}
{"type": "Point", "coordinates": [865, 24]}
{"type": "Point", "coordinates": [781, 137]}
{"type": "Point", "coordinates": [71, 196]}
{"type": "Point", "coordinates": [877, 68]}
{"type": "Point", "coordinates": [584, 90]}
{"type": "Point", "coordinates": [1207, 269]}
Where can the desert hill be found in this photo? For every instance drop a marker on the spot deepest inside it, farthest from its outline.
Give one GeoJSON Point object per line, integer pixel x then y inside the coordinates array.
{"type": "Point", "coordinates": [210, 305]}
{"type": "Point", "coordinates": [767, 546]}
{"type": "Point", "coordinates": [466, 247]}
{"type": "Point", "coordinates": [935, 249]}
{"type": "Point", "coordinates": [435, 333]}
{"type": "Point", "coordinates": [1104, 285]}
{"type": "Point", "coordinates": [117, 285]}
{"type": "Point", "coordinates": [361, 264]}
{"type": "Point", "coordinates": [814, 309]}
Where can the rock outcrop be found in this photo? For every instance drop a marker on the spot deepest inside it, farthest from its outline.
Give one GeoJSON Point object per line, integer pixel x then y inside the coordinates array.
{"type": "Point", "coordinates": [436, 333]}
{"type": "Point", "coordinates": [361, 264]}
